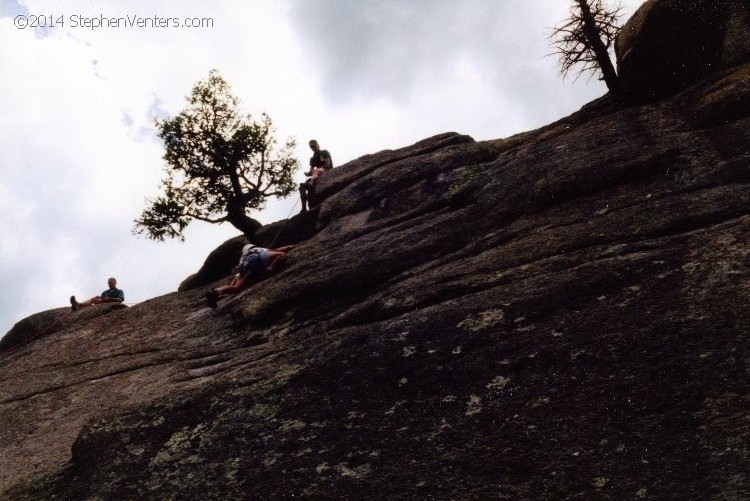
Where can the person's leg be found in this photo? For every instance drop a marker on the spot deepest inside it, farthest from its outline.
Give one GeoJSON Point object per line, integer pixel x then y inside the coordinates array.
{"type": "Point", "coordinates": [233, 287]}
{"type": "Point", "coordinates": [303, 195]}
{"type": "Point", "coordinates": [75, 304]}
{"type": "Point", "coordinates": [311, 202]}
{"type": "Point", "coordinates": [237, 284]}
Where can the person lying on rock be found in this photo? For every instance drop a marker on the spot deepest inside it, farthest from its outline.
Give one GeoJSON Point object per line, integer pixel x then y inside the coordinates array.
{"type": "Point", "coordinates": [319, 163]}
{"type": "Point", "coordinates": [111, 295]}
{"type": "Point", "coordinates": [254, 263]}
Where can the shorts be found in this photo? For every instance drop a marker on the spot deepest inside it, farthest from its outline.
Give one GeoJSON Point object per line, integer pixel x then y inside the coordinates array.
{"type": "Point", "coordinates": [254, 263]}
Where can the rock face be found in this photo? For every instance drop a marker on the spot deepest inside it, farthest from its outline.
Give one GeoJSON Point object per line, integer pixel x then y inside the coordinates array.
{"type": "Point", "coordinates": [670, 44]}
{"type": "Point", "coordinates": [559, 314]}
{"type": "Point", "coordinates": [48, 322]}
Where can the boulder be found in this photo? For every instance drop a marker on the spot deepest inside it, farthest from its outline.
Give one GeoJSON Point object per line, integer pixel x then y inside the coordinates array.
{"type": "Point", "coordinates": [669, 44]}
{"type": "Point", "coordinates": [217, 265]}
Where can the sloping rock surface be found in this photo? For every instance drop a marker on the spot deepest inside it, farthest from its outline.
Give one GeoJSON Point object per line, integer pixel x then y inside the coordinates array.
{"type": "Point", "coordinates": [559, 314]}
{"type": "Point", "coordinates": [48, 322]}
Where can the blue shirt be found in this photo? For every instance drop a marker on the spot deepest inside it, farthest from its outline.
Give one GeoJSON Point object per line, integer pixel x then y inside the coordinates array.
{"type": "Point", "coordinates": [113, 294]}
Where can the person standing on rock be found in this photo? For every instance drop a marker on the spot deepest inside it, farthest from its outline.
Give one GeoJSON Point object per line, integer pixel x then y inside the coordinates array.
{"type": "Point", "coordinates": [111, 295]}
{"type": "Point", "coordinates": [254, 263]}
{"type": "Point", "coordinates": [319, 163]}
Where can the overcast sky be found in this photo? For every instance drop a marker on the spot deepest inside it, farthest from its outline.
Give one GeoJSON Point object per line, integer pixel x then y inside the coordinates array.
{"type": "Point", "coordinates": [78, 149]}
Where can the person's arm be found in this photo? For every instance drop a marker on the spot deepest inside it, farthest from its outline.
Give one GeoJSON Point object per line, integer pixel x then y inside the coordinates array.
{"type": "Point", "coordinates": [311, 169]}
{"type": "Point", "coordinates": [286, 248]}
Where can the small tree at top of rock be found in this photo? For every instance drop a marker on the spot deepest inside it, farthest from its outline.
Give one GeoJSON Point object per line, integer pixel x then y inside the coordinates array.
{"type": "Point", "coordinates": [584, 40]}
{"type": "Point", "coordinates": [220, 165]}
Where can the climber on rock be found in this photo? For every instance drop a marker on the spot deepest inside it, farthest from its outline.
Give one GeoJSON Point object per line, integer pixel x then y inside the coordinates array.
{"type": "Point", "coordinates": [319, 163]}
{"type": "Point", "coordinates": [111, 295]}
{"type": "Point", "coordinates": [254, 263]}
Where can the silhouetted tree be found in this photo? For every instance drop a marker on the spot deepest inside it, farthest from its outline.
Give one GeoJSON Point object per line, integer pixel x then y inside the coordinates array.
{"type": "Point", "coordinates": [585, 38]}
{"type": "Point", "coordinates": [220, 165]}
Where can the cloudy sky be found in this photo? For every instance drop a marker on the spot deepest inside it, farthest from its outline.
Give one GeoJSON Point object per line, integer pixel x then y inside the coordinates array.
{"type": "Point", "coordinates": [81, 84]}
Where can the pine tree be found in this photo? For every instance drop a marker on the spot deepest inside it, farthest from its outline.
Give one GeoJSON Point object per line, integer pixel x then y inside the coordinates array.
{"type": "Point", "coordinates": [220, 165]}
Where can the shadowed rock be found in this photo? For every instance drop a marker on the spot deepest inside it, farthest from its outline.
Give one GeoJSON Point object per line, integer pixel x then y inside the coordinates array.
{"type": "Point", "coordinates": [670, 44]}
{"type": "Point", "coordinates": [559, 314]}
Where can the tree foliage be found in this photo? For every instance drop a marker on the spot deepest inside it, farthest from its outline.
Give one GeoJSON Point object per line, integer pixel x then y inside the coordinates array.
{"type": "Point", "coordinates": [220, 165]}
{"type": "Point", "coordinates": [584, 39]}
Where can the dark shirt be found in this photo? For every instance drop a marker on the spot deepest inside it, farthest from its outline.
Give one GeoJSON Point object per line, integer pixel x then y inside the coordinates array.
{"type": "Point", "coordinates": [113, 294]}
{"type": "Point", "coordinates": [318, 159]}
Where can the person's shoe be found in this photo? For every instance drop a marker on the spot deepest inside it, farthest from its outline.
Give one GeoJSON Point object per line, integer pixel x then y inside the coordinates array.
{"type": "Point", "coordinates": [73, 303]}
{"type": "Point", "coordinates": [212, 298]}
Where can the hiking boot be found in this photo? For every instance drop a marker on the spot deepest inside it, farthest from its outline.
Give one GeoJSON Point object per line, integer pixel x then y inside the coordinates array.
{"type": "Point", "coordinates": [212, 298]}
{"type": "Point", "coordinates": [73, 303]}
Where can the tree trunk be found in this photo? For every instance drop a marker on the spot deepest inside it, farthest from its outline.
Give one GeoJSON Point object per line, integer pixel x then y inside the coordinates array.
{"type": "Point", "coordinates": [600, 50]}
{"type": "Point", "coordinates": [247, 225]}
